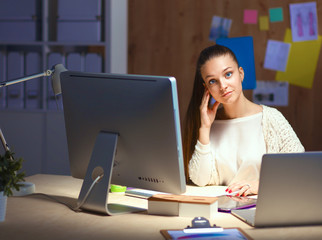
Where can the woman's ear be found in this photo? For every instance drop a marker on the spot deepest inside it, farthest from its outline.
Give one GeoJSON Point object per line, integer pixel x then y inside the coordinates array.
{"type": "Point", "coordinates": [241, 73]}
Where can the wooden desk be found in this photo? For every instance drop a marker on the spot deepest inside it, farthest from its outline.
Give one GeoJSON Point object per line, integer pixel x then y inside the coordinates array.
{"type": "Point", "coordinates": [36, 217]}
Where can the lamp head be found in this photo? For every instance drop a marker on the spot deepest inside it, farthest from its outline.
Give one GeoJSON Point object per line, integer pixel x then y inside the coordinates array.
{"type": "Point", "coordinates": [55, 81]}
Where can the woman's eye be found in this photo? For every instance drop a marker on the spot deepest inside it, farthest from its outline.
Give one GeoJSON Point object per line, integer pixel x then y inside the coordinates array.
{"type": "Point", "coordinates": [228, 74]}
{"type": "Point", "coordinates": [212, 82]}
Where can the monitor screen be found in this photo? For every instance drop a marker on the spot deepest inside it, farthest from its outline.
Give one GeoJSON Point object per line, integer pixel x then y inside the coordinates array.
{"type": "Point", "coordinates": [130, 123]}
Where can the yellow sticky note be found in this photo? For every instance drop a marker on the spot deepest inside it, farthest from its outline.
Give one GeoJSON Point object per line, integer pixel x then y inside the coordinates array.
{"type": "Point", "coordinates": [263, 23]}
{"type": "Point", "coordinates": [302, 61]}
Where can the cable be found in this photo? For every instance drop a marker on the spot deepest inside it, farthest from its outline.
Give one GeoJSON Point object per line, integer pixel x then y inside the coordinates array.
{"type": "Point", "coordinates": [77, 209]}
{"type": "Point", "coordinates": [56, 100]}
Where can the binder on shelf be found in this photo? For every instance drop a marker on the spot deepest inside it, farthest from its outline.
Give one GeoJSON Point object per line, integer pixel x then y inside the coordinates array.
{"type": "Point", "coordinates": [33, 91]}
{"type": "Point", "coordinates": [78, 31]}
{"type": "Point", "coordinates": [15, 69]}
{"type": "Point", "coordinates": [23, 31]}
{"type": "Point", "coordinates": [78, 9]}
{"type": "Point", "coordinates": [3, 101]}
{"type": "Point", "coordinates": [19, 9]}
{"type": "Point", "coordinates": [53, 101]}
{"type": "Point", "coordinates": [79, 20]}
{"type": "Point", "coordinates": [22, 19]}
{"type": "Point", "coordinates": [74, 62]}
{"type": "Point", "coordinates": [93, 63]}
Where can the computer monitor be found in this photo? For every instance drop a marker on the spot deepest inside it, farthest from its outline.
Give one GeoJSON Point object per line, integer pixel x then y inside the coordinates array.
{"type": "Point", "coordinates": [126, 128]}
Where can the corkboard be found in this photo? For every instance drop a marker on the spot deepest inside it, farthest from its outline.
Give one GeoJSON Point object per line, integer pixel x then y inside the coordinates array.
{"type": "Point", "coordinates": [165, 38]}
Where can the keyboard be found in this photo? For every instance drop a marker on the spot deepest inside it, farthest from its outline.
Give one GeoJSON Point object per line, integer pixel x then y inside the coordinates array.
{"type": "Point", "coordinates": [247, 215]}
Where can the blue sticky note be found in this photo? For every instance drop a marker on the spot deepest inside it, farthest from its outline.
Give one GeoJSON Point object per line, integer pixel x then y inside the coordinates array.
{"type": "Point", "coordinates": [243, 48]}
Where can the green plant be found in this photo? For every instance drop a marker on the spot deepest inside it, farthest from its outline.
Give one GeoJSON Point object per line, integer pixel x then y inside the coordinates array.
{"type": "Point", "coordinates": [9, 176]}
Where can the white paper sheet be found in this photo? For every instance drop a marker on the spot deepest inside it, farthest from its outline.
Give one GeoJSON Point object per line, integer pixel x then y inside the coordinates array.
{"type": "Point", "coordinates": [220, 28]}
{"type": "Point", "coordinates": [276, 55]}
{"type": "Point", "coordinates": [271, 93]}
{"type": "Point", "coordinates": [304, 21]}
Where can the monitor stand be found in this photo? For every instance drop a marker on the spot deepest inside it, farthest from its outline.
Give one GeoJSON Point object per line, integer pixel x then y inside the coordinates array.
{"type": "Point", "coordinates": [101, 163]}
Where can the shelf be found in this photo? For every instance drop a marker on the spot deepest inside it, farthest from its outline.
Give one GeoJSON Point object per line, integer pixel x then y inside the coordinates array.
{"type": "Point", "coordinates": [52, 43]}
{"type": "Point", "coordinates": [75, 43]}
{"type": "Point", "coordinates": [35, 43]}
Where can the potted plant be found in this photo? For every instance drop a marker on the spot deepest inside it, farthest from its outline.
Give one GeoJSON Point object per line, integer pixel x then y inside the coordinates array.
{"type": "Point", "coordinates": [9, 179]}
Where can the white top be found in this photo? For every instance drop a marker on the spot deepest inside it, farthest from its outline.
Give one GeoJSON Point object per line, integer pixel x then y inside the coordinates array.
{"type": "Point", "coordinates": [241, 155]}
{"type": "Point", "coordinates": [239, 145]}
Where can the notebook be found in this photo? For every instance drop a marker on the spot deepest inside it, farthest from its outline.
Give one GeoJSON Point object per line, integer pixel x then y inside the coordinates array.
{"type": "Point", "coordinates": [290, 191]}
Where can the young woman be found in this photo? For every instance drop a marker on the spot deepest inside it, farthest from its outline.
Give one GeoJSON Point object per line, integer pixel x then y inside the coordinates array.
{"type": "Point", "coordinates": [224, 142]}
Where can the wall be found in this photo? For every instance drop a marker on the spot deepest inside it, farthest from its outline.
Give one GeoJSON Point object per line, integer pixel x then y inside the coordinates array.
{"type": "Point", "coordinates": [165, 38]}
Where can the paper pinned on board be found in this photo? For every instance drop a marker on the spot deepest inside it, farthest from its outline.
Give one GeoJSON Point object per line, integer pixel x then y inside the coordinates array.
{"type": "Point", "coordinates": [276, 14]}
{"type": "Point", "coordinates": [271, 93]}
{"type": "Point", "coordinates": [304, 23]}
{"type": "Point", "coordinates": [243, 47]}
{"type": "Point", "coordinates": [276, 55]}
{"type": "Point", "coordinates": [302, 62]}
{"type": "Point", "coordinates": [250, 16]}
{"type": "Point", "coordinates": [220, 28]}
{"type": "Point", "coordinates": [263, 23]}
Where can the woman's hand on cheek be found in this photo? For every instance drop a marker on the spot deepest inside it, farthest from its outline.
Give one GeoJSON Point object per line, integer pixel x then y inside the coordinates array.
{"type": "Point", "coordinates": [207, 117]}
{"type": "Point", "coordinates": [207, 114]}
{"type": "Point", "coordinates": [244, 188]}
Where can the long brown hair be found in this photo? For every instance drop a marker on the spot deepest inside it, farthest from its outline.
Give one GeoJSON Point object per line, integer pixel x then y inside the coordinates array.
{"type": "Point", "coordinates": [192, 119]}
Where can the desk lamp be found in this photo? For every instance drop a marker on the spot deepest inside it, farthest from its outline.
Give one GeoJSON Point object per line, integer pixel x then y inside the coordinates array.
{"type": "Point", "coordinates": [54, 73]}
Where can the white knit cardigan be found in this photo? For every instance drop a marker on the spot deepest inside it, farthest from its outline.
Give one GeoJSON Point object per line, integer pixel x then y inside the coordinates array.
{"type": "Point", "coordinates": [278, 133]}
{"type": "Point", "coordinates": [279, 137]}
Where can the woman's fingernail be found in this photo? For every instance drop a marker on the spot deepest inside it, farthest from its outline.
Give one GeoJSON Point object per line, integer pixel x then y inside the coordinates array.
{"type": "Point", "coordinates": [226, 190]}
{"type": "Point", "coordinates": [230, 191]}
{"type": "Point", "coordinates": [237, 195]}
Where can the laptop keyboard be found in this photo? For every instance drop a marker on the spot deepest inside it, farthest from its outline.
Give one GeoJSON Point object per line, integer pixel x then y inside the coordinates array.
{"type": "Point", "coordinates": [247, 215]}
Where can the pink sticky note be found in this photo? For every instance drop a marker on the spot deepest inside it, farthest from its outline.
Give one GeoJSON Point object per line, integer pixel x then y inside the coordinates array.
{"type": "Point", "coordinates": [250, 16]}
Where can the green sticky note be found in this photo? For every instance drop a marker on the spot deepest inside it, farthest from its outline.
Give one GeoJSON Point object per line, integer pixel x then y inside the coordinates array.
{"type": "Point", "coordinates": [276, 14]}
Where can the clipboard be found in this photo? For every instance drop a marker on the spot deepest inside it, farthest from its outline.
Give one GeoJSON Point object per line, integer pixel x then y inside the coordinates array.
{"type": "Point", "coordinates": [201, 229]}
{"type": "Point", "coordinates": [225, 233]}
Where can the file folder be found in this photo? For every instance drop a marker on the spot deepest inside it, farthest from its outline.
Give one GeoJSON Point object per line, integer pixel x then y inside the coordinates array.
{"type": "Point", "coordinates": [79, 30]}
{"type": "Point", "coordinates": [23, 31]}
{"type": "Point", "coordinates": [33, 91]}
{"type": "Point", "coordinates": [15, 69]}
{"type": "Point", "coordinates": [18, 9]}
{"type": "Point", "coordinates": [79, 20]}
{"type": "Point", "coordinates": [21, 16]}
{"type": "Point", "coordinates": [74, 62]}
{"type": "Point", "coordinates": [93, 63]}
{"type": "Point", "coordinates": [78, 9]}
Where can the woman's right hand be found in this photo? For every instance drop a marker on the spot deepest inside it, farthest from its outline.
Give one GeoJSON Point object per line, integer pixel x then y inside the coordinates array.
{"type": "Point", "coordinates": [207, 116]}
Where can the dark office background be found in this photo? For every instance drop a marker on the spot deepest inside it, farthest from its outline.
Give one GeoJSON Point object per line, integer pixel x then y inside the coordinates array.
{"type": "Point", "coordinates": [163, 38]}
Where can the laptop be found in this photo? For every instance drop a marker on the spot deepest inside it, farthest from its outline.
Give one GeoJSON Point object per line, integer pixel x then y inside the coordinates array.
{"type": "Point", "coordinates": [290, 191]}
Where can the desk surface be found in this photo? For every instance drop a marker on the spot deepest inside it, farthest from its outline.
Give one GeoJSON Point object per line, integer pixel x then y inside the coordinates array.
{"type": "Point", "coordinates": [36, 217]}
